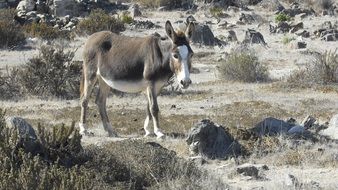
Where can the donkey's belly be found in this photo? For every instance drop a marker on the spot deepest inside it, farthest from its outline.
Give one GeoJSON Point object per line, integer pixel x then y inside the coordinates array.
{"type": "Point", "coordinates": [127, 86]}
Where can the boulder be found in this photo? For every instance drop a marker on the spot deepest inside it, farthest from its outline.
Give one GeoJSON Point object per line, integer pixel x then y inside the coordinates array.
{"type": "Point", "coordinates": [272, 126]}
{"type": "Point", "coordinates": [203, 35]}
{"type": "Point", "coordinates": [303, 33]}
{"type": "Point", "coordinates": [254, 37]}
{"type": "Point", "coordinates": [251, 170]}
{"type": "Point", "coordinates": [332, 130]}
{"type": "Point", "coordinates": [27, 137]}
{"type": "Point", "coordinates": [295, 44]}
{"type": "Point", "coordinates": [231, 36]}
{"type": "Point", "coordinates": [135, 11]}
{"type": "Point", "coordinates": [212, 141]}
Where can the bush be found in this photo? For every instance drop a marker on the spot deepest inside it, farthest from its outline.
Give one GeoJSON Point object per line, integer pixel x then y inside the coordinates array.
{"type": "Point", "coordinates": [243, 66]}
{"type": "Point", "coordinates": [10, 84]}
{"type": "Point", "coordinates": [46, 32]}
{"type": "Point", "coordinates": [216, 11]}
{"type": "Point", "coordinates": [322, 70]}
{"type": "Point", "coordinates": [324, 4]}
{"type": "Point", "coordinates": [97, 21]}
{"type": "Point", "coordinates": [126, 18]}
{"type": "Point", "coordinates": [64, 164]}
{"type": "Point", "coordinates": [11, 33]}
{"type": "Point", "coordinates": [281, 17]}
{"type": "Point", "coordinates": [287, 39]}
{"type": "Point", "coordinates": [52, 73]}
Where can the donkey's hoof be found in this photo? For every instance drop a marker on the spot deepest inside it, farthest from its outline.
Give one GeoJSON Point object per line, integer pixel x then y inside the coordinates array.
{"type": "Point", "coordinates": [159, 135]}
{"type": "Point", "coordinates": [87, 133]}
{"type": "Point", "coordinates": [112, 134]}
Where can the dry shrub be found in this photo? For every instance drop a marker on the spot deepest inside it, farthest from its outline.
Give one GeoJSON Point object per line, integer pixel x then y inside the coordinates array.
{"type": "Point", "coordinates": [243, 66]}
{"type": "Point", "coordinates": [323, 70]}
{"type": "Point", "coordinates": [46, 32]}
{"type": "Point", "coordinates": [11, 33]}
{"type": "Point", "coordinates": [52, 73]}
{"type": "Point", "coordinates": [99, 20]}
{"type": "Point", "coordinates": [63, 164]}
{"type": "Point", "coordinates": [10, 84]}
{"type": "Point", "coordinates": [166, 3]}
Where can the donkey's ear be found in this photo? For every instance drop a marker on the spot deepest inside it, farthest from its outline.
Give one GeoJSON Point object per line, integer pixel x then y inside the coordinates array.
{"type": "Point", "coordinates": [190, 30]}
{"type": "Point", "coordinates": [170, 30]}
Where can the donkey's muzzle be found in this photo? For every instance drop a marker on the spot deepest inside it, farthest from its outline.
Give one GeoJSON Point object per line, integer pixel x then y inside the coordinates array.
{"type": "Point", "coordinates": [185, 83]}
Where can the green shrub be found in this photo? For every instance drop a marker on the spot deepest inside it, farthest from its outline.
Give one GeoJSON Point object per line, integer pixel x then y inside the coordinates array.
{"type": "Point", "coordinates": [216, 11]}
{"type": "Point", "coordinates": [287, 40]}
{"type": "Point", "coordinates": [243, 66]}
{"type": "Point", "coordinates": [11, 33]}
{"type": "Point", "coordinates": [97, 21]}
{"type": "Point", "coordinates": [52, 73]}
{"type": "Point", "coordinates": [126, 18]}
{"type": "Point", "coordinates": [281, 17]}
{"type": "Point", "coordinates": [46, 32]}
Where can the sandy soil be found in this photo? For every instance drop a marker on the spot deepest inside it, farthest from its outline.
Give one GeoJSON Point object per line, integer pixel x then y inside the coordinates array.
{"type": "Point", "coordinates": [228, 103]}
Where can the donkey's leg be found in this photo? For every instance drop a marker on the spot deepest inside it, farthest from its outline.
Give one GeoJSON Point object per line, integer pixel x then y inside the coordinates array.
{"type": "Point", "coordinates": [101, 103]}
{"type": "Point", "coordinates": [153, 107]}
{"type": "Point", "coordinates": [89, 82]}
{"type": "Point", "coordinates": [146, 122]}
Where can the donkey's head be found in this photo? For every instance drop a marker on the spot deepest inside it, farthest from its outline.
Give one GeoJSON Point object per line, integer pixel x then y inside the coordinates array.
{"type": "Point", "coordinates": [181, 53]}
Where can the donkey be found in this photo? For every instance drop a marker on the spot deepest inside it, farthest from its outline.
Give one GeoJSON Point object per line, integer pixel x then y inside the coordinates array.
{"type": "Point", "coordinates": [134, 64]}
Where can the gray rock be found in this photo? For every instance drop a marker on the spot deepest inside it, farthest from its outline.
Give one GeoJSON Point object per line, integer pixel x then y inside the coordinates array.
{"type": "Point", "coordinates": [65, 7]}
{"type": "Point", "coordinates": [212, 141]}
{"type": "Point", "coordinates": [329, 37]}
{"type": "Point", "coordinates": [303, 33]}
{"type": "Point", "coordinates": [298, 44]}
{"type": "Point", "coordinates": [231, 36]}
{"type": "Point", "coordinates": [135, 11]}
{"type": "Point", "coordinates": [271, 126]}
{"type": "Point", "coordinates": [254, 37]}
{"type": "Point", "coordinates": [272, 5]}
{"type": "Point", "coordinates": [298, 130]}
{"type": "Point", "coordinates": [296, 27]}
{"type": "Point", "coordinates": [248, 170]}
{"type": "Point", "coordinates": [203, 35]}
{"type": "Point", "coordinates": [332, 130]}
{"type": "Point", "coordinates": [27, 137]}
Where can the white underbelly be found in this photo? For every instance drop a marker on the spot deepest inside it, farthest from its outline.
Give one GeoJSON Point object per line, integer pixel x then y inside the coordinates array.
{"type": "Point", "coordinates": [127, 86]}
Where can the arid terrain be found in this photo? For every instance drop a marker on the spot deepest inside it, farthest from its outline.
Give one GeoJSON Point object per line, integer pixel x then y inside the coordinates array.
{"type": "Point", "coordinates": [232, 104]}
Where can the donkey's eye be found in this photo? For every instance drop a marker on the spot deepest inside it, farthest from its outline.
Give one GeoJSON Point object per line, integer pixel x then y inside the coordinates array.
{"type": "Point", "coordinates": [175, 56]}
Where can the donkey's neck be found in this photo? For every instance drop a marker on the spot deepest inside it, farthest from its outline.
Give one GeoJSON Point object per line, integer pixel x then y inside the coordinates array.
{"type": "Point", "coordinates": [166, 46]}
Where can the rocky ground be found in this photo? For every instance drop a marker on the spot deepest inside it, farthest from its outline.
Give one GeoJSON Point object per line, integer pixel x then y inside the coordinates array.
{"type": "Point", "coordinates": [231, 104]}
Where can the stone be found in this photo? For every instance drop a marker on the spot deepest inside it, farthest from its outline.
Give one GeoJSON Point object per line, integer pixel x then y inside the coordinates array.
{"type": "Point", "coordinates": [212, 141]}
{"type": "Point", "coordinates": [272, 127]}
{"type": "Point", "coordinates": [296, 27]}
{"type": "Point", "coordinates": [303, 33]}
{"type": "Point", "coordinates": [298, 44]}
{"type": "Point", "coordinates": [248, 170]}
{"type": "Point", "coordinates": [272, 5]}
{"type": "Point", "coordinates": [254, 37]}
{"type": "Point", "coordinates": [329, 37]}
{"type": "Point", "coordinates": [27, 137]}
{"type": "Point", "coordinates": [332, 130]}
{"type": "Point", "coordinates": [296, 130]}
{"type": "Point", "coordinates": [203, 35]}
{"type": "Point", "coordinates": [231, 36]}
{"type": "Point", "coordinates": [135, 11]}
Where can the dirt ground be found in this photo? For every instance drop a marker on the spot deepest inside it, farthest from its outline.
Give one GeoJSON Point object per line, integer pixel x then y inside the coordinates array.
{"type": "Point", "coordinates": [232, 104]}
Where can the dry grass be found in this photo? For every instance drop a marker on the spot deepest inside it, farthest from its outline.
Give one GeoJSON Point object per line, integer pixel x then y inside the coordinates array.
{"type": "Point", "coordinates": [243, 66]}
{"type": "Point", "coordinates": [47, 32]}
{"type": "Point", "coordinates": [11, 33]}
{"type": "Point", "coordinates": [323, 70]}
{"type": "Point", "coordinates": [99, 20]}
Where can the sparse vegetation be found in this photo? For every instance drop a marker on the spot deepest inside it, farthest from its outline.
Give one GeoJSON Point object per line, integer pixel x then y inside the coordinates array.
{"type": "Point", "coordinates": [216, 11]}
{"type": "Point", "coordinates": [11, 33]}
{"type": "Point", "coordinates": [322, 70]}
{"type": "Point", "coordinates": [99, 20]}
{"type": "Point", "coordinates": [159, 3]}
{"type": "Point", "coordinates": [64, 164]}
{"type": "Point", "coordinates": [281, 17]}
{"type": "Point", "coordinates": [243, 66]}
{"type": "Point", "coordinates": [52, 73]}
{"type": "Point", "coordinates": [46, 32]}
{"type": "Point", "coordinates": [126, 18]}
{"type": "Point", "coordinates": [287, 39]}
